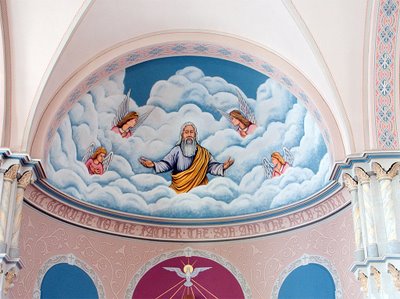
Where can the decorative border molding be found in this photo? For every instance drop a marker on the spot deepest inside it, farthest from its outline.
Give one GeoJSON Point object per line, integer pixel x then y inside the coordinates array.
{"type": "Point", "coordinates": [385, 78]}
{"type": "Point", "coordinates": [182, 232]}
{"type": "Point", "coordinates": [188, 252]}
{"type": "Point", "coordinates": [305, 260]}
{"type": "Point", "coordinates": [71, 260]}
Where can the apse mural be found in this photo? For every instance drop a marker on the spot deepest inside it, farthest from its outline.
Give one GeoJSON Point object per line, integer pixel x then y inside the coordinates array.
{"type": "Point", "coordinates": [188, 137]}
{"type": "Point", "coordinates": [188, 277]}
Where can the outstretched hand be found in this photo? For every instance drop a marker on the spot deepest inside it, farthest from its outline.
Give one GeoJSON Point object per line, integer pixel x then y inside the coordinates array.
{"type": "Point", "coordinates": [146, 163]}
{"type": "Point", "coordinates": [228, 163]}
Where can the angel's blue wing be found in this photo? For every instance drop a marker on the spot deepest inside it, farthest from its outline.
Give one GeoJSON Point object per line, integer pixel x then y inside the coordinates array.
{"type": "Point", "coordinates": [141, 120]}
{"type": "Point", "coordinates": [245, 108]}
{"type": "Point", "coordinates": [288, 156]}
{"type": "Point", "coordinates": [268, 168]}
{"type": "Point", "coordinates": [107, 161]}
{"type": "Point", "coordinates": [89, 152]}
{"type": "Point", "coordinates": [122, 110]}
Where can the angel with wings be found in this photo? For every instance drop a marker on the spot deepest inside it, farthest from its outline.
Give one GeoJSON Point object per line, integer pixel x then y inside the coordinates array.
{"type": "Point", "coordinates": [278, 164]}
{"type": "Point", "coordinates": [126, 122]}
{"type": "Point", "coordinates": [97, 160]}
{"type": "Point", "coordinates": [243, 119]}
{"type": "Point", "coordinates": [188, 272]}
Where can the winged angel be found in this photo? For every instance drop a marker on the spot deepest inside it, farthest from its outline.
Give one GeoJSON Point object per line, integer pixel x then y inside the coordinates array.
{"type": "Point", "coordinates": [243, 119]}
{"type": "Point", "coordinates": [278, 164]}
{"type": "Point", "coordinates": [127, 122]}
{"type": "Point", "coordinates": [188, 272]}
{"type": "Point", "coordinates": [97, 160]}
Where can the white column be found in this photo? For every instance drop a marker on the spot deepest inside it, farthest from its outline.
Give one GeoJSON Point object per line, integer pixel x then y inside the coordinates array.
{"type": "Point", "coordinates": [23, 182]}
{"type": "Point", "coordinates": [9, 177]}
{"type": "Point", "coordinates": [352, 185]}
{"type": "Point", "coordinates": [385, 181]}
{"type": "Point", "coordinates": [364, 180]}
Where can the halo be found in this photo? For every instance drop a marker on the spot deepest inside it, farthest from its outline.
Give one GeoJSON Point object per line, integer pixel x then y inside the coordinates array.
{"type": "Point", "coordinates": [188, 267]}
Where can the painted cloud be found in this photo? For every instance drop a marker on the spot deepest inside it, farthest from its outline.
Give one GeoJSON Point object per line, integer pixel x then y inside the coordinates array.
{"type": "Point", "coordinates": [189, 95]}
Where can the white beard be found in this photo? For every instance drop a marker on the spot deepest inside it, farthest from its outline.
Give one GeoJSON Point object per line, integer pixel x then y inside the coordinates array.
{"type": "Point", "coordinates": [188, 147]}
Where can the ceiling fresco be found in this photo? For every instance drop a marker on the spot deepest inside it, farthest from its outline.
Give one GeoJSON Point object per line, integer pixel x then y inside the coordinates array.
{"type": "Point", "coordinates": [190, 138]}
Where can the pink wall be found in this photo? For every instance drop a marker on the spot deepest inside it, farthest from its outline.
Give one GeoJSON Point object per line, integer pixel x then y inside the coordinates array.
{"type": "Point", "coordinates": [116, 260]}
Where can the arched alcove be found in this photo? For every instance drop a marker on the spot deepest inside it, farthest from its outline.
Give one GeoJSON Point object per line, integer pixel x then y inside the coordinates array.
{"type": "Point", "coordinates": [67, 281]}
{"type": "Point", "coordinates": [308, 277]}
{"type": "Point", "coordinates": [308, 281]}
{"type": "Point", "coordinates": [215, 277]}
{"type": "Point", "coordinates": [65, 276]}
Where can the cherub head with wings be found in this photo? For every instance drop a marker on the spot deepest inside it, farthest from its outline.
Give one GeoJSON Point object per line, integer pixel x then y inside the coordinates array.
{"type": "Point", "coordinates": [278, 164]}
{"type": "Point", "coordinates": [243, 119]}
{"type": "Point", "coordinates": [126, 122]}
{"type": "Point", "coordinates": [97, 159]}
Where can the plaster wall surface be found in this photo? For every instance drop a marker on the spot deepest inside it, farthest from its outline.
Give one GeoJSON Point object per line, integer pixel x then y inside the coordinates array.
{"type": "Point", "coordinates": [115, 260]}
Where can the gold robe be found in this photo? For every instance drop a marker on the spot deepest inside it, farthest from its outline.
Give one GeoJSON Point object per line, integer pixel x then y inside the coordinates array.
{"type": "Point", "coordinates": [195, 175]}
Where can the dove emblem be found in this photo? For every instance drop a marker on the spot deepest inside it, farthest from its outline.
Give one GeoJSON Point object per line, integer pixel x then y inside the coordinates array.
{"type": "Point", "coordinates": [188, 272]}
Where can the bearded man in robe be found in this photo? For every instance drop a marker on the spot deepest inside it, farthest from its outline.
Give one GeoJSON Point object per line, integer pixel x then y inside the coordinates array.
{"type": "Point", "coordinates": [189, 162]}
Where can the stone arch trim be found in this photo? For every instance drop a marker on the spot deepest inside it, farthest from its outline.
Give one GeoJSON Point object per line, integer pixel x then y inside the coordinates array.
{"type": "Point", "coordinates": [305, 260]}
{"type": "Point", "coordinates": [188, 252]}
{"type": "Point", "coordinates": [71, 260]}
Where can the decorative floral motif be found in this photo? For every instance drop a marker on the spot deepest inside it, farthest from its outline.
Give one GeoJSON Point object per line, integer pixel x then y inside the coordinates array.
{"type": "Point", "coordinates": [200, 48]}
{"type": "Point", "coordinates": [246, 58]}
{"type": "Point", "coordinates": [74, 96]}
{"type": "Point", "coordinates": [387, 138]}
{"type": "Point", "coordinates": [385, 113]}
{"type": "Point", "coordinates": [131, 58]}
{"type": "Point", "coordinates": [268, 68]}
{"type": "Point", "coordinates": [385, 61]}
{"type": "Point", "coordinates": [179, 48]}
{"type": "Point", "coordinates": [287, 81]}
{"type": "Point", "coordinates": [111, 67]}
{"type": "Point", "coordinates": [385, 53]}
{"type": "Point", "coordinates": [155, 51]}
{"type": "Point", "coordinates": [389, 7]}
{"type": "Point", "coordinates": [386, 34]}
{"type": "Point", "coordinates": [384, 87]}
{"type": "Point", "coordinates": [224, 52]}
{"type": "Point", "coordinates": [92, 79]}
